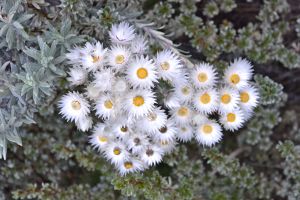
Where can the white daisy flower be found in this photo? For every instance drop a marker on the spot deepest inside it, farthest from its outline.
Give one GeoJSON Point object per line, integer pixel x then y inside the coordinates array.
{"type": "Point", "coordinates": [122, 130]}
{"type": "Point", "coordinates": [152, 155]}
{"type": "Point", "coordinates": [153, 121]}
{"type": "Point", "coordinates": [232, 120]}
{"type": "Point", "coordinates": [116, 152]}
{"type": "Point", "coordinates": [92, 92]}
{"type": "Point", "coordinates": [208, 133]}
{"type": "Point", "coordinates": [166, 146]}
{"type": "Point", "coordinates": [182, 115]}
{"type": "Point", "coordinates": [238, 73]}
{"type": "Point", "coordinates": [118, 56]}
{"type": "Point", "coordinates": [168, 65]}
{"type": "Point", "coordinates": [106, 107]}
{"type": "Point", "coordinates": [104, 79]}
{"type": "Point", "coordinates": [120, 86]}
{"type": "Point", "coordinates": [249, 98]}
{"type": "Point", "coordinates": [139, 45]}
{"type": "Point", "coordinates": [139, 103]}
{"type": "Point", "coordinates": [198, 118]}
{"type": "Point", "coordinates": [100, 137]}
{"type": "Point", "coordinates": [73, 106]}
{"type": "Point", "coordinates": [137, 143]}
{"type": "Point", "coordinates": [204, 75]}
{"type": "Point", "coordinates": [171, 100]}
{"type": "Point", "coordinates": [184, 93]}
{"type": "Point", "coordinates": [229, 99]}
{"type": "Point", "coordinates": [184, 133]}
{"type": "Point", "coordinates": [130, 165]}
{"type": "Point", "coordinates": [140, 73]}
{"type": "Point", "coordinates": [84, 123]}
{"type": "Point", "coordinates": [167, 132]}
{"type": "Point", "coordinates": [206, 101]}
{"type": "Point", "coordinates": [122, 33]}
{"type": "Point", "coordinates": [75, 55]}
{"type": "Point", "coordinates": [77, 75]}
{"type": "Point", "coordinates": [94, 57]}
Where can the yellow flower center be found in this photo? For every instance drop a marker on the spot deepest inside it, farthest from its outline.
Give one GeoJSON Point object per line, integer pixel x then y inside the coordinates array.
{"type": "Point", "coordinates": [205, 98]}
{"type": "Point", "coordinates": [164, 142]}
{"type": "Point", "coordinates": [165, 66]}
{"type": "Point", "coordinates": [231, 117]}
{"type": "Point", "coordinates": [76, 105]}
{"type": "Point", "coordinates": [95, 58]}
{"type": "Point", "coordinates": [102, 139]}
{"type": "Point", "coordinates": [124, 129]}
{"type": "Point", "coordinates": [183, 129]}
{"type": "Point", "coordinates": [138, 101]}
{"type": "Point", "coordinates": [120, 59]}
{"type": "Point", "coordinates": [152, 116]}
{"type": "Point", "coordinates": [142, 73]}
{"type": "Point", "coordinates": [128, 165]}
{"type": "Point", "coordinates": [185, 90]}
{"type": "Point", "coordinates": [244, 97]}
{"type": "Point", "coordinates": [235, 79]}
{"type": "Point", "coordinates": [183, 111]}
{"type": "Point", "coordinates": [202, 77]}
{"type": "Point", "coordinates": [225, 98]}
{"type": "Point", "coordinates": [117, 151]}
{"type": "Point", "coordinates": [108, 104]}
{"type": "Point", "coordinates": [207, 129]}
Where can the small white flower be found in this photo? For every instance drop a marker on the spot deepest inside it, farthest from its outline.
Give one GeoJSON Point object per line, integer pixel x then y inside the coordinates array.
{"type": "Point", "coordinates": [182, 115]}
{"type": "Point", "coordinates": [84, 124]}
{"type": "Point", "coordinates": [116, 152]}
{"type": "Point", "coordinates": [238, 73]}
{"type": "Point", "coordinates": [137, 142]}
{"type": "Point", "coordinates": [120, 86]}
{"type": "Point", "coordinates": [122, 129]}
{"type": "Point", "coordinates": [229, 99]}
{"type": "Point", "coordinates": [100, 137]}
{"type": "Point", "coordinates": [206, 101]}
{"type": "Point", "coordinates": [104, 79]}
{"type": "Point", "coordinates": [153, 121]}
{"type": "Point", "coordinates": [92, 92]}
{"type": "Point", "coordinates": [168, 65]}
{"type": "Point", "coordinates": [184, 93]}
{"type": "Point", "coordinates": [75, 55]}
{"type": "Point", "coordinates": [139, 103]}
{"type": "Point", "coordinates": [140, 73]}
{"type": "Point", "coordinates": [78, 75]}
{"type": "Point", "coordinates": [167, 132]}
{"type": "Point", "coordinates": [249, 98]}
{"type": "Point", "coordinates": [208, 133]}
{"type": "Point", "coordinates": [166, 146]}
{"type": "Point", "coordinates": [198, 118]}
{"type": "Point", "coordinates": [118, 57]}
{"type": "Point", "coordinates": [130, 165]}
{"type": "Point", "coordinates": [106, 107]}
{"type": "Point", "coordinates": [122, 33]}
{"type": "Point", "coordinates": [171, 100]}
{"type": "Point", "coordinates": [73, 106]}
{"type": "Point", "coordinates": [204, 75]}
{"type": "Point", "coordinates": [94, 56]}
{"type": "Point", "coordinates": [139, 45]}
{"type": "Point", "coordinates": [184, 133]}
{"type": "Point", "coordinates": [232, 120]}
{"type": "Point", "coordinates": [152, 155]}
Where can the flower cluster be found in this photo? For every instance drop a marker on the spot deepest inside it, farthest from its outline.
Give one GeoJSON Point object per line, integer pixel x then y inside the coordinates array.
{"type": "Point", "coordinates": [139, 120]}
